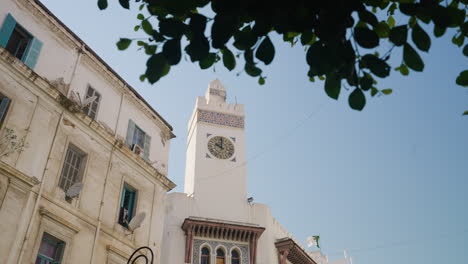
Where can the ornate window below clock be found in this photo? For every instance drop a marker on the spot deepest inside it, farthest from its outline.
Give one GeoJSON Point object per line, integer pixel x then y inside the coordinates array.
{"type": "Point", "coordinates": [235, 257]}
{"type": "Point", "coordinates": [205, 256]}
{"type": "Point", "coordinates": [220, 256]}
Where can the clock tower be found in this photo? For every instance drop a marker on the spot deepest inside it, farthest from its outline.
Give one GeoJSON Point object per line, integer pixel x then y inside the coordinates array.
{"type": "Point", "coordinates": [215, 172]}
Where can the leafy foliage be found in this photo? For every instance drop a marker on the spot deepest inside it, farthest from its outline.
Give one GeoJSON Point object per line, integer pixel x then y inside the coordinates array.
{"type": "Point", "coordinates": [340, 37]}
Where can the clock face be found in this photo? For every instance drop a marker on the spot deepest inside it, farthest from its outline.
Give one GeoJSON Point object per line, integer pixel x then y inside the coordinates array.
{"type": "Point", "coordinates": [221, 147]}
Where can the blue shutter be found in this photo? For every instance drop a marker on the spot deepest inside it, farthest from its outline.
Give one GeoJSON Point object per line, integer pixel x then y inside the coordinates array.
{"type": "Point", "coordinates": [6, 30]}
{"type": "Point", "coordinates": [31, 56]}
{"type": "Point", "coordinates": [123, 197]}
{"type": "Point", "coordinates": [3, 108]}
{"type": "Point", "coordinates": [131, 204]}
{"type": "Point", "coordinates": [130, 132]}
{"type": "Point", "coordinates": [147, 147]}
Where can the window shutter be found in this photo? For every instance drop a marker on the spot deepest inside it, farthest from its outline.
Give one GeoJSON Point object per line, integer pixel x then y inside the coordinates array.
{"type": "Point", "coordinates": [123, 197]}
{"type": "Point", "coordinates": [30, 58]}
{"type": "Point", "coordinates": [5, 32]}
{"type": "Point", "coordinates": [130, 132]}
{"type": "Point", "coordinates": [147, 147]}
{"type": "Point", "coordinates": [3, 107]}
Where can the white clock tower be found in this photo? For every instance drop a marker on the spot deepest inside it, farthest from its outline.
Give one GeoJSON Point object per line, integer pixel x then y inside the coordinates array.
{"type": "Point", "coordinates": [215, 170]}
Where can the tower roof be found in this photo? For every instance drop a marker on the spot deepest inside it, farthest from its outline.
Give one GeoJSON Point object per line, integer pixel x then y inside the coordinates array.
{"type": "Point", "coordinates": [216, 91]}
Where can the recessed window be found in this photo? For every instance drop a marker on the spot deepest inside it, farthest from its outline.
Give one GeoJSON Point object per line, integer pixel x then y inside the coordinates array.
{"type": "Point", "coordinates": [4, 104]}
{"type": "Point", "coordinates": [220, 256]}
{"type": "Point", "coordinates": [235, 257]}
{"type": "Point", "coordinates": [19, 42]}
{"type": "Point", "coordinates": [91, 108]}
{"type": "Point", "coordinates": [73, 167]}
{"type": "Point", "coordinates": [50, 251]}
{"type": "Point", "coordinates": [137, 140]}
{"type": "Point", "coordinates": [205, 256]}
{"type": "Point", "coordinates": [127, 205]}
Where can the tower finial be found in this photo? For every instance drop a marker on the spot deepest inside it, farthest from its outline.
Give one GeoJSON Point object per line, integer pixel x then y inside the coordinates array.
{"type": "Point", "coordinates": [216, 91]}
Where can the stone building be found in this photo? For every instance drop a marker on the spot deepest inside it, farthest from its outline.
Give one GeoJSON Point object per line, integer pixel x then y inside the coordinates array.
{"type": "Point", "coordinates": [96, 152]}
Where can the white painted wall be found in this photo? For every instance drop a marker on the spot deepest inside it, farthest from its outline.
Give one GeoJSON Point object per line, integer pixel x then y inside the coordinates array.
{"type": "Point", "coordinates": [211, 192]}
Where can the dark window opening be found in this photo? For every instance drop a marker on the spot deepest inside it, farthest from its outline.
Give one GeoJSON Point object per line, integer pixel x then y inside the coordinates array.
{"type": "Point", "coordinates": [205, 256]}
{"type": "Point", "coordinates": [235, 259]}
{"type": "Point", "coordinates": [50, 251]}
{"type": "Point", "coordinates": [92, 108]}
{"type": "Point", "coordinates": [18, 42]}
{"type": "Point", "coordinates": [4, 104]}
{"type": "Point", "coordinates": [220, 259]}
{"type": "Point", "coordinates": [127, 205]}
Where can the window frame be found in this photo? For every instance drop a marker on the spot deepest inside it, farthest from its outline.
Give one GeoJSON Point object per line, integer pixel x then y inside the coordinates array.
{"type": "Point", "coordinates": [59, 245]}
{"type": "Point", "coordinates": [25, 35]}
{"type": "Point", "coordinates": [80, 171]}
{"type": "Point", "coordinates": [208, 257]}
{"type": "Point", "coordinates": [89, 108]}
{"type": "Point", "coordinates": [5, 101]}
{"type": "Point", "coordinates": [220, 257]}
{"type": "Point", "coordinates": [33, 48]}
{"type": "Point", "coordinates": [133, 193]}
{"type": "Point", "coordinates": [239, 256]}
{"type": "Point", "coordinates": [132, 128]}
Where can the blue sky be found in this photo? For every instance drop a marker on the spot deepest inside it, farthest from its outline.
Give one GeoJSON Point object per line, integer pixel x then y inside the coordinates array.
{"type": "Point", "coordinates": [388, 183]}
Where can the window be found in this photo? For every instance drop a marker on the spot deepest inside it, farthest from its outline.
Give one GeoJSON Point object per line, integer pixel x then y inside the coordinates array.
{"type": "Point", "coordinates": [127, 205]}
{"type": "Point", "coordinates": [92, 108]}
{"type": "Point", "coordinates": [4, 104]}
{"type": "Point", "coordinates": [235, 258]}
{"type": "Point", "coordinates": [19, 42]}
{"type": "Point", "coordinates": [50, 250]}
{"type": "Point", "coordinates": [73, 167]}
{"type": "Point", "coordinates": [136, 137]}
{"type": "Point", "coordinates": [205, 256]}
{"type": "Point", "coordinates": [220, 259]}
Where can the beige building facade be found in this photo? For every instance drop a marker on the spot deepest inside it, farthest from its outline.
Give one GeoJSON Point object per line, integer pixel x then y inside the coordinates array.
{"type": "Point", "coordinates": [95, 154]}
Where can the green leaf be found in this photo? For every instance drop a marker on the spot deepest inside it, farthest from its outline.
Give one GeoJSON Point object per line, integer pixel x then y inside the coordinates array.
{"type": "Point", "coordinates": [102, 4]}
{"type": "Point", "coordinates": [136, 28]}
{"type": "Point", "coordinates": [412, 59]}
{"type": "Point", "coordinates": [208, 61]}
{"type": "Point", "coordinates": [228, 59]}
{"type": "Point", "coordinates": [398, 35]}
{"type": "Point", "coordinates": [382, 30]}
{"type": "Point", "coordinates": [141, 7]}
{"type": "Point", "coordinates": [366, 82]}
{"type": "Point", "coordinates": [403, 69]}
{"type": "Point", "coordinates": [420, 38]}
{"type": "Point", "coordinates": [387, 91]}
{"type": "Point", "coordinates": [391, 21]}
{"type": "Point", "coordinates": [140, 17]}
{"type": "Point", "coordinates": [147, 27]}
{"type": "Point", "coordinates": [125, 4]}
{"type": "Point", "coordinates": [198, 48]}
{"type": "Point", "coordinates": [373, 91]}
{"type": "Point", "coordinates": [222, 30]}
{"type": "Point", "coordinates": [332, 86]}
{"type": "Point", "coordinates": [462, 79]}
{"type": "Point", "coordinates": [197, 23]}
{"type": "Point", "coordinates": [357, 99]}
{"type": "Point", "coordinates": [150, 49]}
{"type": "Point", "coordinates": [307, 38]}
{"type": "Point", "coordinates": [156, 67]}
{"type": "Point", "coordinates": [439, 31]}
{"type": "Point", "coordinates": [465, 50]}
{"type": "Point", "coordinates": [171, 51]}
{"type": "Point", "coordinates": [123, 43]}
{"type": "Point", "coordinates": [173, 28]}
{"type": "Point", "coordinates": [261, 81]}
{"type": "Point", "coordinates": [458, 40]}
{"type": "Point", "coordinates": [377, 66]}
{"type": "Point", "coordinates": [266, 51]}
{"type": "Point", "coordinates": [252, 70]}
{"type": "Point", "coordinates": [465, 113]}
{"type": "Point", "coordinates": [366, 38]}
{"type": "Point", "coordinates": [142, 77]}
{"type": "Point", "coordinates": [368, 17]}
{"type": "Point", "coordinates": [248, 56]}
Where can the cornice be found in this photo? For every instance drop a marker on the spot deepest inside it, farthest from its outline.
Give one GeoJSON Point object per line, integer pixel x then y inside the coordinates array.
{"type": "Point", "coordinates": [289, 250]}
{"type": "Point", "coordinates": [44, 212]}
{"type": "Point", "coordinates": [17, 177]}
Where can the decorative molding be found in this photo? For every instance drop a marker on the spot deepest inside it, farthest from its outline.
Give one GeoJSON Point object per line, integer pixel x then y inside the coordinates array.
{"type": "Point", "coordinates": [23, 181]}
{"type": "Point", "coordinates": [220, 118]}
{"type": "Point", "coordinates": [289, 251]}
{"type": "Point", "coordinates": [222, 230]}
{"type": "Point", "coordinates": [46, 213]}
{"type": "Point", "coordinates": [218, 93]}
